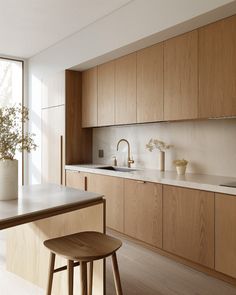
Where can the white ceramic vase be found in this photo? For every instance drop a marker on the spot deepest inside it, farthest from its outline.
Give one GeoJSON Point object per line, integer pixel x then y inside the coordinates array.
{"type": "Point", "coordinates": [8, 180]}
{"type": "Point", "coordinates": [181, 170]}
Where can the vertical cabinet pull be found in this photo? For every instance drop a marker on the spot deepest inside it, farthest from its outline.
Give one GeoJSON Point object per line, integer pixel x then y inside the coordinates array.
{"type": "Point", "coordinates": [61, 159]}
{"type": "Point", "coordinates": [85, 183]}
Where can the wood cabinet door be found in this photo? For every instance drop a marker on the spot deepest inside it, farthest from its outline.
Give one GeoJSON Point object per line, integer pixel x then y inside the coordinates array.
{"type": "Point", "coordinates": [76, 179]}
{"type": "Point", "coordinates": [217, 69]}
{"type": "Point", "coordinates": [188, 224]}
{"type": "Point", "coordinates": [125, 89]}
{"type": "Point", "coordinates": [225, 237]}
{"type": "Point", "coordinates": [53, 90]}
{"type": "Point", "coordinates": [53, 145]}
{"type": "Point", "coordinates": [89, 98]}
{"type": "Point", "coordinates": [181, 77]}
{"type": "Point", "coordinates": [143, 211]}
{"type": "Point", "coordinates": [106, 94]}
{"type": "Point", "coordinates": [112, 189]}
{"type": "Point", "coordinates": [150, 84]}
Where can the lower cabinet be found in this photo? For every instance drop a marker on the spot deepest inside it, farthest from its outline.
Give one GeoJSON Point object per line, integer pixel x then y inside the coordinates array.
{"type": "Point", "coordinates": [188, 224]}
{"type": "Point", "coordinates": [112, 189]}
{"type": "Point", "coordinates": [76, 179]}
{"type": "Point", "coordinates": [225, 236]}
{"type": "Point", "coordinates": [143, 211]}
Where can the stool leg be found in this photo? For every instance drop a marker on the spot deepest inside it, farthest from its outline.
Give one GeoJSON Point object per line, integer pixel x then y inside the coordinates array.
{"type": "Point", "coordinates": [90, 280]}
{"type": "Point", "coordinates": [83, 278]}
{"type": "Point", "coordinates": [50, 274]}
{"type": "Point", "coordinates": [116, 275]}
{"type": "Point", "coordinates": [70, 269]}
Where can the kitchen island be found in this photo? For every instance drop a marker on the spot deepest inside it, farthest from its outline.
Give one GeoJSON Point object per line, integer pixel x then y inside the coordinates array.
{"type": "Point", "coordinates": [47, 211]}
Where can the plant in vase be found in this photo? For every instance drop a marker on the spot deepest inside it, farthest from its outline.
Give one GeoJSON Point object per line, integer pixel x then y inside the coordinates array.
{"type": "Point", "coordinates": [162, 147]}
{"type": "Point", "coordinates": [12, 139]}
{"type": "Point", "coordinates": [181, 166]}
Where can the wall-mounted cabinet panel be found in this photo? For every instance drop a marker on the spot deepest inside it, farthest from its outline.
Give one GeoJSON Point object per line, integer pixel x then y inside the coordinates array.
{"type": "Point", "coordinates": [181, 77]}
{"type": "Point", "coordinates": [188, 224]}
{"type": "Point", "coordinates": [150, 84]}
{"type": "Point", "coordinates": [106, 94]}
{"type": "Point", "coordinates": [143, 211]}
{"type": "Point", "coordinates": [89, 98]}
{"type": "Point", "coordinates": [217, 69]}
{"type": "Point", "coordinates": [225, 257]}
{"type": "Point", "coordinates": [53, 90]}
{"type": "Point", "coordinates": [125, 89]}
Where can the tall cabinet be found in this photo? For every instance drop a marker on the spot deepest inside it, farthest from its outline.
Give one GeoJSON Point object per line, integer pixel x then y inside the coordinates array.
{"type": "Point", "coordinates": [63, 139]}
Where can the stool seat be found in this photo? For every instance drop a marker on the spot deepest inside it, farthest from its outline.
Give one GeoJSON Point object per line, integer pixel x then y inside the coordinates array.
{"type": "Point", "coordinates": [84, 246]}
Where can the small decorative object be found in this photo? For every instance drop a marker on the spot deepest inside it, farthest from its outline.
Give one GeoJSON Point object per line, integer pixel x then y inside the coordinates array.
{"type": "Point", "coordinates": [162, 147]}
{"type": "Point", "coordinates": [12, 139]}
{"type": "Point", "coordinates": [181, 166]}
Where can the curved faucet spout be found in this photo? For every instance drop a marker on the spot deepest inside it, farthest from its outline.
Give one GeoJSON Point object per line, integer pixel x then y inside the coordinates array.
{"type": "Point", "coordinates": [130, 160]}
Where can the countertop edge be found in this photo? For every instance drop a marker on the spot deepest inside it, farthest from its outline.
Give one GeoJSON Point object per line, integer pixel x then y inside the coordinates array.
{"type": "Point", "coordinates": [216, 188]}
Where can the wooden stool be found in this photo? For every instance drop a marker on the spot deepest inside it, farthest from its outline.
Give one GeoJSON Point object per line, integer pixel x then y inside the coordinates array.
{"type": "Point", "coordinates": [80, 249]}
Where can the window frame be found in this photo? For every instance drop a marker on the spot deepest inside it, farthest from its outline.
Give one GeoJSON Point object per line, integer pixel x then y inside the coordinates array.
{"type": "Point", "coordinates": [23, 104]}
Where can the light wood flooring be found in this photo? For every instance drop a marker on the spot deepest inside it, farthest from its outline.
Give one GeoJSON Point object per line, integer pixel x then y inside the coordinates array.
{"type": "Point", "coordinates": [143, 272]}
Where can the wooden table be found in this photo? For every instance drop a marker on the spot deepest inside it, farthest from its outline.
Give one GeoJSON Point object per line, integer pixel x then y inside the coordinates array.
{"type": "Point", "coordinates": [47, 211]}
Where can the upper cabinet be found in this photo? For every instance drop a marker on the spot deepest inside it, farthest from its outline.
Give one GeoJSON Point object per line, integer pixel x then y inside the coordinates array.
{"type": "Point", "coordinates": [89, 98]}
{"type": "Point", "coordinates": [217, 69]}
{"type": "Point", "coordinates": [181, 77]}
{"type": "Point", "coordinates": [106, 94]}
{"type": "Point", "coordinates": [150, 84]}
{"type": "Point", "coordinates": [53, 90]}
{"type": "Point", "coordinates": [125, 89]}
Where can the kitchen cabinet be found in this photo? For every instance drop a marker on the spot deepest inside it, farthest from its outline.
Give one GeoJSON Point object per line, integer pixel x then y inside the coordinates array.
{"type": "Point", "coordinates": [225, 238]}
{"type": "Point", "coordinates": [150, 84]}
{"type": "Point", "coordinates": [76, 179]}
{"type": "Point", "coordinates": [217, 69]}
{"type": "Point", "coordinates": [106, 94]}
{"type": "Point", "coordinates": [112, 189]}
{"type": "Point", "coordinates": [53, 90]}
{"type": "Point", "coordinates": [53, 144]}
{"type": "Point", "coordinates": [64, 141]}
{"type": "Point", "coordinates": [188, 224]}
{"type": "Point", "coordinates": [143, 211]}
{"type": "Point", "coordinates": [125, 89]}
{"type": "Point", "coordinates": [181, 77]}
{"type": "Point", "coordinates": [89, 98]}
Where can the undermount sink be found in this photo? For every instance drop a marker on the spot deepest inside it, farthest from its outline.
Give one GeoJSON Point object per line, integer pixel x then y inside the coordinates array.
{"type": "Point", "coordinates": [118, 169]}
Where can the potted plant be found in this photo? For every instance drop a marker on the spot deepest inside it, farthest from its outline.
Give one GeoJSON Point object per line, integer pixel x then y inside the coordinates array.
{"type": "Point", "coordinates": [12, 139]}
{"type": "Point", "coordinates": [181, 166]}
{"type": "Point", "coordinates": [162, 147]}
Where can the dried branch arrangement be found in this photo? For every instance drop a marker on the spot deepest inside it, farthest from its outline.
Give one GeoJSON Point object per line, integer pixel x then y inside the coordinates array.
{"type": "Point", "coordinates": [11, 137]}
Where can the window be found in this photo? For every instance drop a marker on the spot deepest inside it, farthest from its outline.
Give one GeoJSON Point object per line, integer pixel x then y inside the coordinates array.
{"type": "Point", "coordinates": [11, 92]}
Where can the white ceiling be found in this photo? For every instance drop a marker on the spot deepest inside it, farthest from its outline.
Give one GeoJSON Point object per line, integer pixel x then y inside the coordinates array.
{"type": "Point", "coordinates": [30, 26]}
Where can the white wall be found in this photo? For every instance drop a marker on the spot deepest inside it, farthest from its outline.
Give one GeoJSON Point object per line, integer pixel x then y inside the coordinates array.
{"type": "Point", "coordinates": [209, 146]}
{"type": "Point", "coordinates": [136, 25]}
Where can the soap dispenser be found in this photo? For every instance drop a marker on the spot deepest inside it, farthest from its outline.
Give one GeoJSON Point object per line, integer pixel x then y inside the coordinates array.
{"type": "Point", "coordinates": [114, 161]}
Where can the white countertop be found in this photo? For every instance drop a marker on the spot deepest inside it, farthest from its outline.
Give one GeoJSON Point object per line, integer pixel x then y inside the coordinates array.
{"type": "Point", "coordinates": [194, 181]}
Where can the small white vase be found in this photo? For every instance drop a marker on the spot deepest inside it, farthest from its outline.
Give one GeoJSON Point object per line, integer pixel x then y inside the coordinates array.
{"type": "Point", "coordinates": [181, 170]}
{"type": "Point", "coordinates": [8, 180]}
{"type": "Point", "coordinates": [162, 161]}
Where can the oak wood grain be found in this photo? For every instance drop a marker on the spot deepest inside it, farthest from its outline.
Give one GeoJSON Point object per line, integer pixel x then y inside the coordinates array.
{"type": "Point", "coordinates": [89, 98]}
{"type": "Point", "coordinates": [150, 72]}
{"type": "Point", "coordinates": [188, 224]}
{"type": "Point", "coordinates": [181, 77]}
{"type": "Point", "coordinates": [217, 69]}
{"type": "Point", "coordinates": [225, 239]}
{"type": "Point", "coordinates": [125, 89]}
{"type": "Point", "coordinates": [143, 211]}
{"type": "Point", "coordinates": [75, 179]}
{"type": "Point", "coordinates": [106, 94]}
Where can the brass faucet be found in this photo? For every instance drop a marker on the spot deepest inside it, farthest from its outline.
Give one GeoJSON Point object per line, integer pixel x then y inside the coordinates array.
{"type": "Point", "coordinates": [130, 161]}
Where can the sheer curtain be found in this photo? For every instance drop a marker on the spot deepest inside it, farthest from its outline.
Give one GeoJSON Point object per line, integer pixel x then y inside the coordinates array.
{"type": "Point", "coordinates": [11, 91]}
